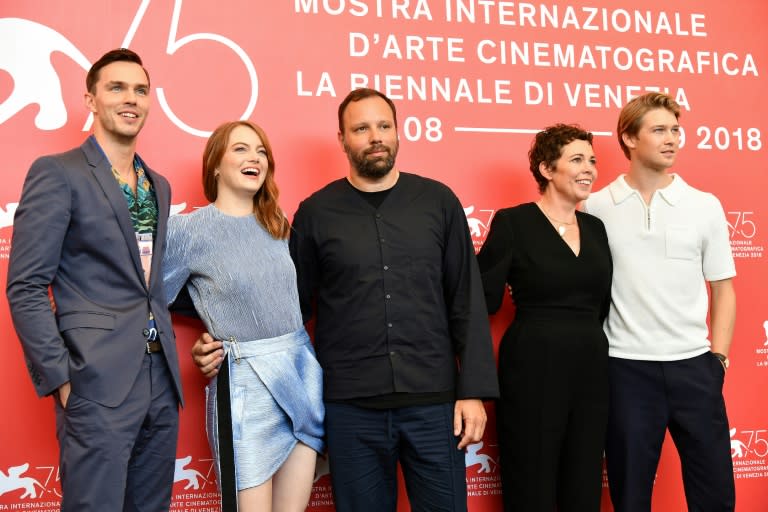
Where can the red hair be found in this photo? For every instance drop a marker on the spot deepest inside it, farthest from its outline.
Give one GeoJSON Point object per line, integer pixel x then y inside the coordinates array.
{"type": "Point", "coordinates": [265, 205]}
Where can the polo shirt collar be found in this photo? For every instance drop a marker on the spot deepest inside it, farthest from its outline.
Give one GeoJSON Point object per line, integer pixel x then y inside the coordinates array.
{"type": "Point", "coordinates": [620, 189]}
{"type": "Point", "coordinates": [674, 191]}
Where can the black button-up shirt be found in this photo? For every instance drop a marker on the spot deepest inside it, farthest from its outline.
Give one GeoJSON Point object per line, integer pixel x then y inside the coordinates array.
{"type": "Point", "coordinates": [397, 291]}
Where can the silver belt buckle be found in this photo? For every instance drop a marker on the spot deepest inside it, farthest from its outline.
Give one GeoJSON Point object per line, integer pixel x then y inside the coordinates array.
{"type": "Point", "coordinates": [235, 349]}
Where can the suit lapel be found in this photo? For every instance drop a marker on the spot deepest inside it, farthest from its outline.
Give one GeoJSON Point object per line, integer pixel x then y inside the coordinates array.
{"type": "Point", "coordinates": [102, 171]}
{"type": "Point", "coordinates": [162, 195]}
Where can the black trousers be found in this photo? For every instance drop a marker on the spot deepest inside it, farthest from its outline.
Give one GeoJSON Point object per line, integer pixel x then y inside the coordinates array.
{"type": "Point", "coordinates": [552, 415]}
{"type": "Point", "coordinates": [646, 399]}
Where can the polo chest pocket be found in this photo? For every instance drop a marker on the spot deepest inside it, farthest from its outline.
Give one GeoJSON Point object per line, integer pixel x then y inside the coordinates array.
{"type": "Point", "coordinates": [681, 243]}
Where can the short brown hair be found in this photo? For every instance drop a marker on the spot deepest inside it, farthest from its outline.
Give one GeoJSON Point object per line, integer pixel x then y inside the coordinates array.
{"type": "Point", "coordinates": [361, 94]}
{"type": "Point", "coordinates": [631, 116]}
{"type": "Point", "coordinates": [117, 55]}
{"type": "Point", "coordinates": [548, 145]}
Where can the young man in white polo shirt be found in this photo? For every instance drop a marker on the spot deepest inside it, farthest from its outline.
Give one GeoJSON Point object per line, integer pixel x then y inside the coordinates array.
{"type": "Point", "coordinates": [668, 240]}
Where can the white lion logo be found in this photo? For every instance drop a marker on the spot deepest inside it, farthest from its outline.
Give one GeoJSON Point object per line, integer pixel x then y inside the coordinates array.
{"type": "Point", "coordinates": [473, 457]}
{"type": "Point", "coordinates": [178, 208]}
{"type": "Point", "coordinates": [6, 216]}
{"type": "Point", "coordinates": [13, 480]}
{"type": "Point", "coordinates": [738, 449]}
{"type": "Point", "coordinates": [476, 226]}
{"type": "Point", "coordinates": [191, 476]}
{"type": "Point", "coordinates": [26, 56]}
{"type": "Point", "coordinates": [765, 328]}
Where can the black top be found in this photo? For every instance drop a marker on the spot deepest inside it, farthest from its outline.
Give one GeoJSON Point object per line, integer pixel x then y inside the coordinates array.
{"type": "Point", "coordinates": [524, 251]}
{"type": "Point", "coordinates": [397, 293]}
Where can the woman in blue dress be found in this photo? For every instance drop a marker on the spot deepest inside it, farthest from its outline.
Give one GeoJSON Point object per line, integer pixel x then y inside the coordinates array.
{"type": "Point", "coordinates": [264, 409]}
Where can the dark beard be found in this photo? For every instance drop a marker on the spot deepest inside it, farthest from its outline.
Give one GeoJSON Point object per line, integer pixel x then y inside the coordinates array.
{"type": "Point", "coordinates": [372, 169]}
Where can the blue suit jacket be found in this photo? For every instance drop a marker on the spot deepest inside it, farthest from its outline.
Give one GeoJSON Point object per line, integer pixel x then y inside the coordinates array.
{"type": "Point", "coordinates": [73, 231]}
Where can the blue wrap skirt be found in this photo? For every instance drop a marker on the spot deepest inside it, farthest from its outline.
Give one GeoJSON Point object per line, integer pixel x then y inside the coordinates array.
{"type": "Point", "coordinates": [275, 400]}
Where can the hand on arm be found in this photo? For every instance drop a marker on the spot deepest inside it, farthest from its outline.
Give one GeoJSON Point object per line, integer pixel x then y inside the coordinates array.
{"type": "Point", "coordinates": [469, 420]}
{"type": "Point", "coordinates": [208, 354]}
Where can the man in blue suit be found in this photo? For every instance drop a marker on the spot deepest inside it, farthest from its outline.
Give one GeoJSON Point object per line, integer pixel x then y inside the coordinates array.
{"type": "Point", "coordinates": [90, 227]}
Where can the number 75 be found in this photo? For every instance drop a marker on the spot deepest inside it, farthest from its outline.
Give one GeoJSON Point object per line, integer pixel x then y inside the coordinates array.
{"type": "Point", "coordinates": [741, 224]}
{"type": "Point", "coordinates": [175, 44]}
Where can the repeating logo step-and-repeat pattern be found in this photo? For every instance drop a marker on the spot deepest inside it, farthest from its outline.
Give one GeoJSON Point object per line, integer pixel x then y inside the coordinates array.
{"type": "Point", "coordinates": [473, 81]}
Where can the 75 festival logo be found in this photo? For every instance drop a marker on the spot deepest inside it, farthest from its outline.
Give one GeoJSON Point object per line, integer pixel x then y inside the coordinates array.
{"type": "Point", "coordinates": [742, 230]}
{"type": "Point", "coordinates": [21, 483]}
{"type": "Point", "coordinates": [749, 443]}
{"type": "Point", "coordinates": [36, 82]}
{"type": "Point", "coordinates": [741, 225]}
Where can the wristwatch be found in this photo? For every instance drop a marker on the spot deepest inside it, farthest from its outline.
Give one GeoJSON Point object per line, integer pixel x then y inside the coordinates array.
{"type": "Point", "coordinates": [723, 359]}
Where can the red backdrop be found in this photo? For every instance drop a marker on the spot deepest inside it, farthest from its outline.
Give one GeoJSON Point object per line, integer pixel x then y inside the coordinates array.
{"type": "Point", "coordinates": [473, 79]}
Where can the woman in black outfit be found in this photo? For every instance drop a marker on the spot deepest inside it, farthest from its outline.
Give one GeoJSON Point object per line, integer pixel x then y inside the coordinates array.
{"type": "Point", "coordinates": [553, 408]}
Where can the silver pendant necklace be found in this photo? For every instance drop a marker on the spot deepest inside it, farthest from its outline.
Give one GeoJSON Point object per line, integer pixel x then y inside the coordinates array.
{"type": "Point", "coordinates": [562, 226]}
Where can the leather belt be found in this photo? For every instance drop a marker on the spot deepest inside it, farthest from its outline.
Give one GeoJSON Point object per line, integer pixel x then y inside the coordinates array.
{"type": "Point", "coordinates": [154, 346]}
